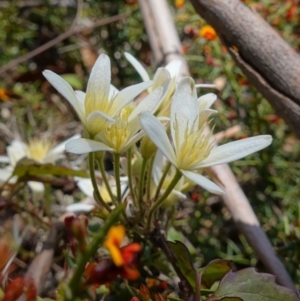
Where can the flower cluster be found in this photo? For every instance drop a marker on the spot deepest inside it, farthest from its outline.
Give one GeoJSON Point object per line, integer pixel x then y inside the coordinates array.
{"type": "Point", "coordinates": [171, 121]}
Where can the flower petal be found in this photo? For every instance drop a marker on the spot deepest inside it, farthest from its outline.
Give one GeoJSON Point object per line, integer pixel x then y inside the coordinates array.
{"type": "Point", "coordinates": [157, 133]}
{"type": "Point", "coordinates": [98, 84]}
{"type": "Point", "coordinates": [150, 103]}
{"type": "Point", "coordinates": [235, 150]}
{"type": "Point", "coordinates": [83, 146]}
{"type": "Point", "coordinates": [65, 90]}
{"type": "Point", "coordinates": [207, 100]}
{"type": "Point", "coordinates": [137, 66]}
{"type": "Point", "coordinates": [97, 121]}
{"type": "Point", "coordinates": [174, 68]}
{"type": "Point", "coordinates": [4, 159]}
{"type": "Point", "coordinates": [184, 110]}
{"type": "Point", "coordinates": [80, 207]}
{"type": "Point", "coordinates": [57, 152]}
{"type": "Point", "coordinates": [203, 182]}
{"type": "Point", "coordinates": [127, 95]}
{"type": "Point", "coordinates": [37, 189]}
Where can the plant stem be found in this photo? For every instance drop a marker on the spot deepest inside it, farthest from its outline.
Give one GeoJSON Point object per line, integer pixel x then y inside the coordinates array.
{"type": "Point", "coordinates": [149, 176]}
{"type": "Point", "coordinates": [142, 182]}
{"type": "Point", "coordinates": [162, 198]}
{"type": "Point", "coordinates": [97, 194]}
{"type": "Point", "coordinates": [83, 258]}
{"type": "Point", "coordinates": [129, 173]}
{"type": "Point", "coordinates": [117, 176]}
{"type": "Point", "coordinates": [105, 180]}
{"type": "Point", "coordinates": [162, 179]}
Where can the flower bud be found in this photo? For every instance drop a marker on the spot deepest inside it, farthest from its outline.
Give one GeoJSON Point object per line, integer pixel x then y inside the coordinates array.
{"type": "Point", "coordinates": [148, 148]}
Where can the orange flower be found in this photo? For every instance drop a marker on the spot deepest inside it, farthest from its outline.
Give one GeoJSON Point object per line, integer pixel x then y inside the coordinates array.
{"type": "Point", "coordinates": [4, 95]}
{"type": "Point", "coordinates": [114, 239]}
{"type": "Point", "coordinates": [122, 263]}
{"type": "Point", "coordinates": [207, 32]}
{"type": "Point", "coordinates": [179, 3]}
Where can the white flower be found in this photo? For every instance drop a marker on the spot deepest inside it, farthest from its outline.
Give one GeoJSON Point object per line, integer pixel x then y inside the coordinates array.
{"type": "Point", "coordinates": [102, 102]}
{"type": "Point", "coordinates": [122, 134]}
{"type": "Point", "coordinates": [163, 77]}
{"type": "Point", "coordinates": [192, 149]}
{"type": "Point", "coordinates": [38, 150]}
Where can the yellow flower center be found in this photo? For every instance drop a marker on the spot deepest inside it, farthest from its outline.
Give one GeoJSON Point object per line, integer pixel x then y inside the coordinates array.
{"type": "Point", "coordinates": [118, 133]}
{"type": "Point", "coordinates": [37, 149]}
{"type": "Point", "coordinates": [195, 148]}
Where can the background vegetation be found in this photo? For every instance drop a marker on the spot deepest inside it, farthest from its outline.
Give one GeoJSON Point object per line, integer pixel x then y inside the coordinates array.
{"type": "Point", "coordinates": [30, 107]}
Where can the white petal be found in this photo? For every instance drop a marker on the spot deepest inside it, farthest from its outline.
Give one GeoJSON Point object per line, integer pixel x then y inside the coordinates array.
{"type": "Point", "coordinates": [132, 141]}
{"type": "Point", "coordinates": [86, 186]}
{"type": "Point", "coordinates": [113, 91]}
{"type": "Point", "coordinates": [157, 133]}
{"type": "Point", "coordinates": [203, 182]}
{"type": "Point", "coordinates": [65, 89]}
{"type": "Point", "coordinates": [57, 152]}
{"type": "Point", "coordinates": [16, 151]}
{"type": "Point", "coordinates": [158, 165]}
{"type": "Point", "coordinates": [205, 86]}
{"type": "Point", "coordinates": [174, 68]}
{"type": "Point", "coordinates": [37, 189]}
{"type": "Point", "coordinates": [97, 121]}
{"type": "Point", "coordinates": [137, 66]}
{"type": "Point", "coordinates": [236, 150]}
{"type": "Point", "coordinates": [99, 82]}
{"type": "Point", "coordinates": [5, 174]}
{"type": "Point", "coordinates": [161, 76]}
{"type": "Point", "coordinates": [184, 110]}
{"type": "Point", "coordinates": [80, 207]}
{"type": "Point", "coordinates": [81, 98]}
{"type": "Point", "coordinates": [207, 100]}
{"type": "Point", "coordinates": [150, 103]}
{"type": "Point", "coordinates": [83, 146]}
{"type": "Point", "coordinates": [127, 95]}
{"type": "Point", "coordinates": [4, 159]}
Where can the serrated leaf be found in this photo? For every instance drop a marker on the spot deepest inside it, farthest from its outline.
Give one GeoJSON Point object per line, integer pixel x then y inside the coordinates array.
{"type": "Point", "coordinates": [248, 285]}
{"type": "Point", "coordinates": [73, 80]}
{"type": "Point", "coordinates": [214, 271]}
{"type": "Point", "coordinates": [184, 261]}
{"type": "Point", "coordinates": [28, 167]}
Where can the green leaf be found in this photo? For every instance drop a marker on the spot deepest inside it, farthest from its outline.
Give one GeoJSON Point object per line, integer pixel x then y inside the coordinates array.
{"type": "Point", "coordinates": [73, 80]}
{"type": "Point", "coordinates": [28, 167]}
{"type": "Point", "coordinates": [184, 261]}
{"type": "Point", "coordinates": [248, 285]}
{"type": "Point", "coordinates": [214, 271]}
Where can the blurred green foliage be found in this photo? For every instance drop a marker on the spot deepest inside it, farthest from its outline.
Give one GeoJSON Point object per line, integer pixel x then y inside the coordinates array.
{"type": "Point", "coordinates": [270, 178]}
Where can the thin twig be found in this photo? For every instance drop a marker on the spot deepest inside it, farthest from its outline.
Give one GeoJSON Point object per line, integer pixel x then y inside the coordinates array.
{"type": "Point", "coordinates": [63, 36]}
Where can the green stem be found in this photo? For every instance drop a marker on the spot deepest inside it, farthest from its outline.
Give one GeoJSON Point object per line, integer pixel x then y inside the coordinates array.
{"type": "Point", "coordinates": [117, 176]}
{"type": "Point", "coordinates": [162, 179]}
{"type": "Point", "coordinates": [97, 194]}
{"type": "Point", "coordinates": [142, 182]}
{"type": "Point", "coordinates": [149, 177]}
{"type": "Point", "coordinates": [105, 180]}
{"type": "Point", "coordinates": [155, 205]}
{"type": "Point", "coordinates": [83, 258]}
{"type": "Point", "coordinates": [129, 173]}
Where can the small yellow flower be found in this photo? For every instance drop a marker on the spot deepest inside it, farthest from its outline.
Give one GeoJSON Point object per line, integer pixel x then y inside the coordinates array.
{"type": "Point", "coordinates": [208, 33]}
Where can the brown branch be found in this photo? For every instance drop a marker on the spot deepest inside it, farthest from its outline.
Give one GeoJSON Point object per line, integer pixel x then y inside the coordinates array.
{"type": "Point", "coordinates": [271, 65]}
{"type": "Point", "coordinates": [235, 199]}
{"type": "Point", "coordinates": [72, 31]}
